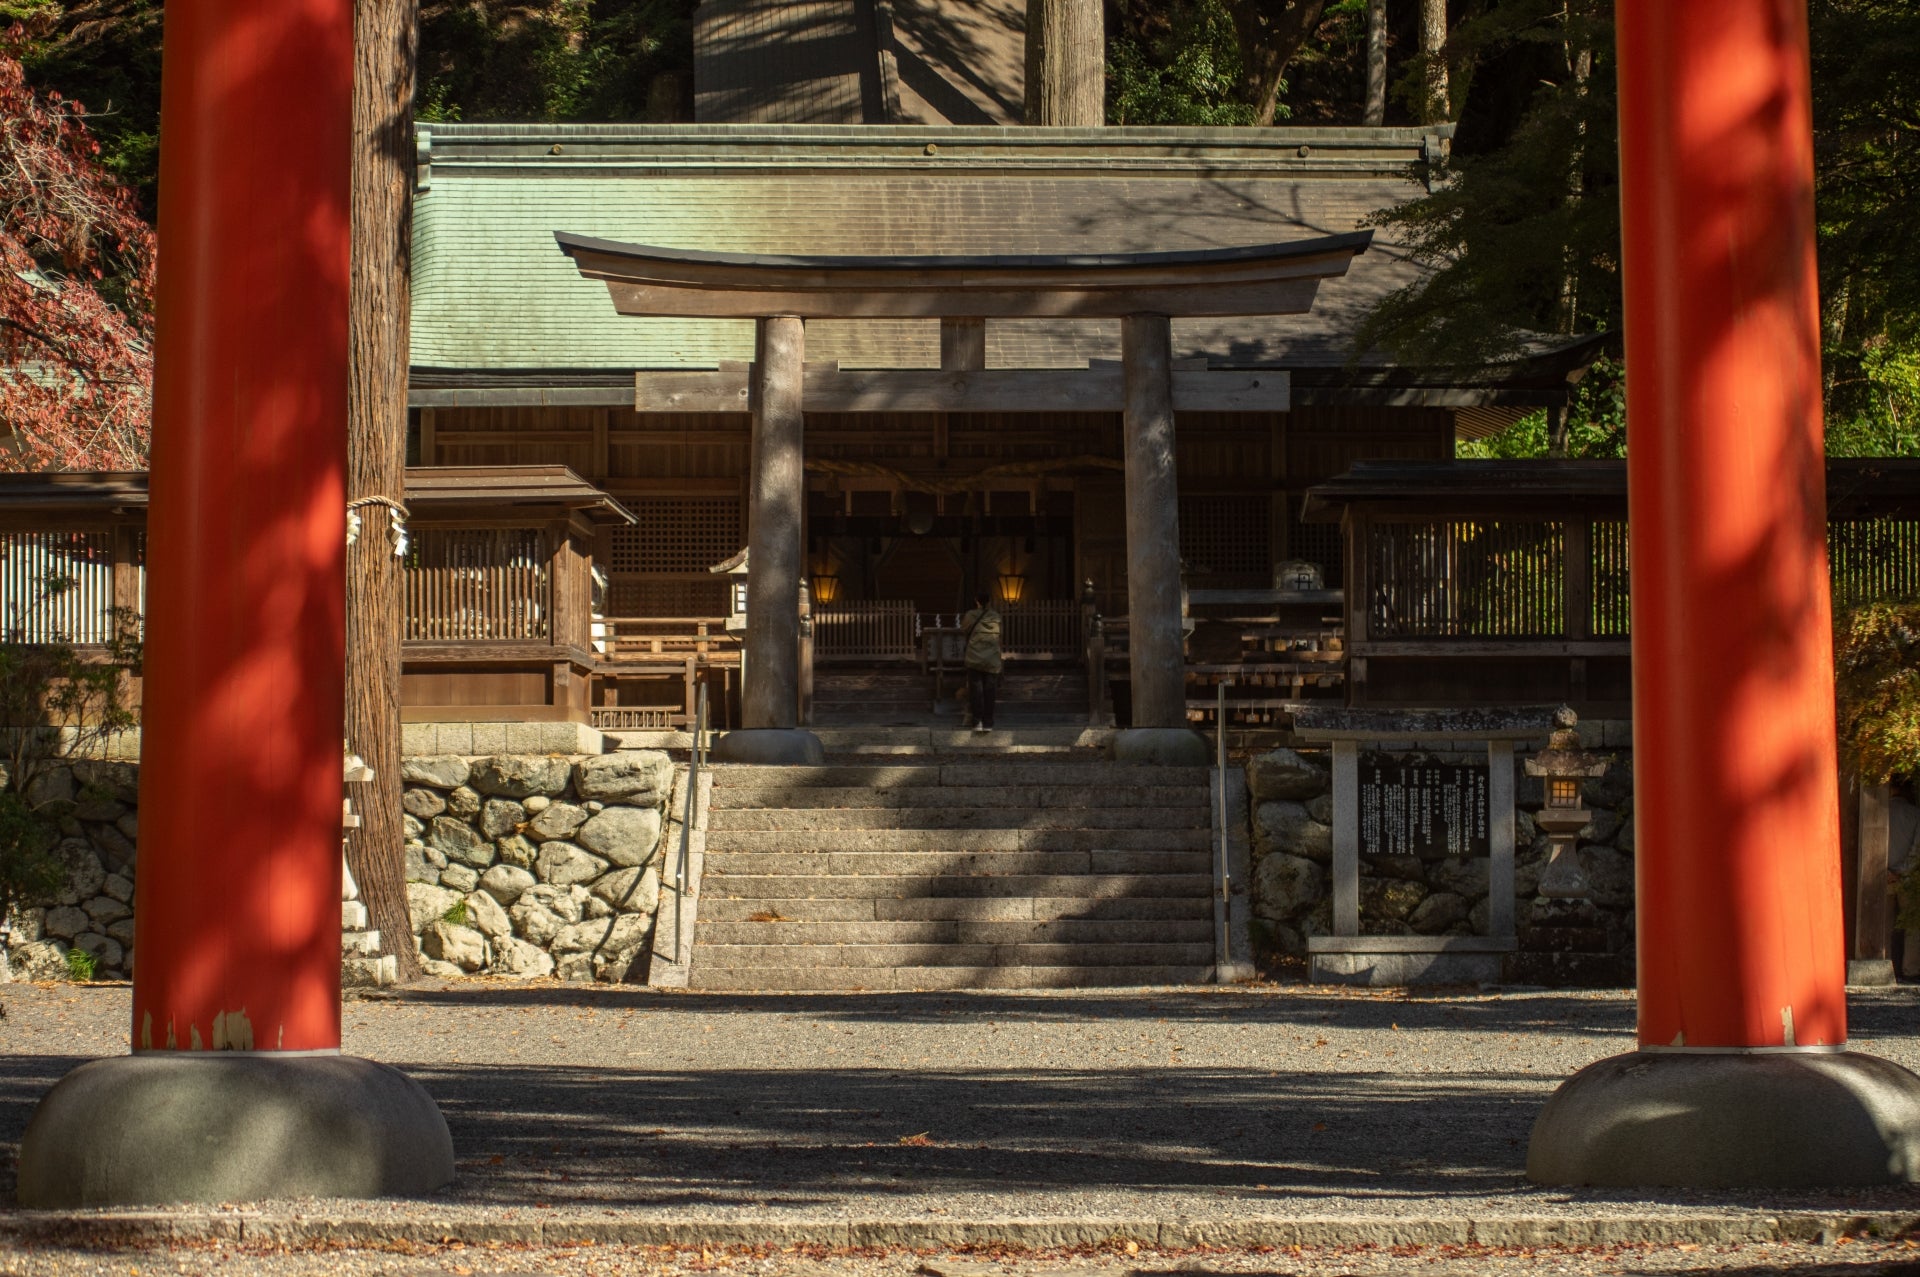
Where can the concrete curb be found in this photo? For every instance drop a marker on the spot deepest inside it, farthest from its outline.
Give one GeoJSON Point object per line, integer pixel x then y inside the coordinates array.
{"type": "Point", "coordinates": [122, 1229]}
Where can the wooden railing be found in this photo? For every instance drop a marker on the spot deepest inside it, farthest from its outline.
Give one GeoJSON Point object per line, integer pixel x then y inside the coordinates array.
{"type": "Point", "coordinates": [656, 640]}
{"type": "Point", "coordinates": [1504, 579]}
{"type": "Point", "coordinates": [880, 630]}
{"type": "Point", "coordinates": [1459, 578]}
{"type": "Point", "coordinates": [468, 584]}
{"type": "Point", "coordinates": [635, 718]}
{"type": "Point", "coordinates": [61, 586]}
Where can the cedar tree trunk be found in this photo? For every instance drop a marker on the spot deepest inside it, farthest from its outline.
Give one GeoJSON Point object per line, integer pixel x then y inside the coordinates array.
{"type": "Point", "coordinates": [1376, 63]}
{"type": "Point", "coordinates": [1066, 63]}
{"type": "Point", "coordinates": [1435, 109]}
{"type": "Point", "coordinates": [385, 35]}
{"type": "Point", "coordinates": [1269, 37]}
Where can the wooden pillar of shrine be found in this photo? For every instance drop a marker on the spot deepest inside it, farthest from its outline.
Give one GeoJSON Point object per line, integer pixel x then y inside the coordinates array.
{"type": "Point", "coordinates": [776, 554]}
{"type": "Point", "coordinates": [1153, 525]}
{"type": "Point", "coordinates": [1156, 648]}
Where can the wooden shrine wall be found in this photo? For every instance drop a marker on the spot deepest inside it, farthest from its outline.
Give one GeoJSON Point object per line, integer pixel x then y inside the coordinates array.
{"type": "Point", "coordinates": [683, 475]}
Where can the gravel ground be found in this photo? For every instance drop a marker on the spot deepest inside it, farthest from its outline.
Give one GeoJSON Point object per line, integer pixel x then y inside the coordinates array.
{"type": "Point", "coordinates": [1857, 1259]}
{"type": "Point", "coordinates": [776, 1113]}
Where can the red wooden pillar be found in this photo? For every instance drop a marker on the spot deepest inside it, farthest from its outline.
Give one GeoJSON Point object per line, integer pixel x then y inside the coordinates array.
{"type": "Point", "coordinates": [236, 1089]}
{"type": "Point", "coordinates": [239, 883]}
{"type": "Point", "coordinates": [1740, 1079]}
{"type": "Point", "coordinates": [1740, 931]}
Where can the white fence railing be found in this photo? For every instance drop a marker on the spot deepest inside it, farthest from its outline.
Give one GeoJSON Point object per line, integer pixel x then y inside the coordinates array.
{"type": "Point", "coordinates": [56, 586]}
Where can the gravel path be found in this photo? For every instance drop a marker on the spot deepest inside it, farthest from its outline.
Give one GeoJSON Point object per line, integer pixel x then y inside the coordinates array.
{"type": "Point", "coordinates": [1202, 1107]}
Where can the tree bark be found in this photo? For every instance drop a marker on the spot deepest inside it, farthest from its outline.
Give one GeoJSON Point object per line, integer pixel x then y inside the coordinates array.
{"type": "Point", "coordinates": [1376, 63]}
{"type": "Point", "coordinates": [385, 35]}
{"type": "Point", "coordinates": [1435, 107]}
{"type": "Point", "coordinates": [1268, 41]}
{"type": "Point", "coordinates": [1066, 63]}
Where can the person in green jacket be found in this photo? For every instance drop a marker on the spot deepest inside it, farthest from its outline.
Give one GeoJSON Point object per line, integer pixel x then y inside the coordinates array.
{"type": "Point", "coordinates": [980, 629]}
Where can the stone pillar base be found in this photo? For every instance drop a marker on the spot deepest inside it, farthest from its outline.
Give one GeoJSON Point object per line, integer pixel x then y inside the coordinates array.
{"type": "Point", "coordinates": [1168, 746]}
{"type": "Point", "coordinates": [160, 1127]}
{"type": "Point", "coordinates": [1785, 1119]}
{"type": "Point", "coordinates": [770, 747]}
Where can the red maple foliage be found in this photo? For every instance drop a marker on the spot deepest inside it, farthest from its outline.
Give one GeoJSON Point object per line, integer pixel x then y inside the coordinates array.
{"type": "Point", "coordinates": [76, 368]}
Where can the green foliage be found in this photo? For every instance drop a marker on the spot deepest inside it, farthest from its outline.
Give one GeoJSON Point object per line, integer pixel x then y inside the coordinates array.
{"type": "Point", "coordinates": [456, 915]}
{"type": "Point", "coordinates": [1877, 682]}
{"type": "Point", "coordinates": [56, 701]}
{"type": "Point", "coordinates": [1189, 72]}
{"type": "Point", "coordinates": [1875, 411]}
{"type": "Point", "coordinates": [1596, 422]}
{"type": "Point", "coordinates": [80, 965]}
{"type": "Point", "coordinates": [562, 60]}
{"type": "Point", "coordinates": [1866, 66]}
{"type": "Point", "coordinates": [1522, 239]}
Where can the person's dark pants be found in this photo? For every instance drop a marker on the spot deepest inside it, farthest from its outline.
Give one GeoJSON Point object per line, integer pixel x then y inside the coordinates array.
{"type": "Point", "coordinates": [980, 689]}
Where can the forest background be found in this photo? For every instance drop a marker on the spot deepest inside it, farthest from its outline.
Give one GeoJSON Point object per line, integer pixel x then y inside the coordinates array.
{"type": "Point", "coordinates": [1522, 227]}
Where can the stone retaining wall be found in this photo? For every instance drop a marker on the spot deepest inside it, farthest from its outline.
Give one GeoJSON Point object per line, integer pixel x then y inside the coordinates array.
{"type": "Point", "coordinates": [524, 865]}
{"type": "Point", "coordinates": [529, 866]}
{"type": "Point", "coordinates": [1292, 816]}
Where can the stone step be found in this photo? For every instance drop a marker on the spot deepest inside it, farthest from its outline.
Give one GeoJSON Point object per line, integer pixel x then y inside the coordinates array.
{"type": "Point", "coordinates": [1017, 799]}
{"type": "Point", "coordinates": [787, 956]}
{"type": "Point", "coordinates": [932, 931]}
{"type": "Point", "coordinates": [801, 841]}
{"type": "Point", "coordinates": [958, 864]}
{"type": "Point", "coordinates": [353, 915]}
{"type": "Point", "coordinates": [915, 978]}
{"type": "Point", "coordinates": [1036, 771]}
{"type": "Point", "coordinates": [359, 943]}
{"type": "Point", "coordinates": [718, 909]}
{"type": "Point", "coordinates": [955, 816]}
{"type": "Point", "coordinates": [762, 887]}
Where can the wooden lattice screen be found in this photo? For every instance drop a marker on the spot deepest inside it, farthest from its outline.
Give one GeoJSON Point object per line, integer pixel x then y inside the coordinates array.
{"type": "Point", "coordinates": [668, 598]}
{"type": "Point", "coordinates": [476, 583]}
{"type": "Point", "coordinates": [1607, 571]}
{"type": "Point", "coordinates": [1227, 539]}
{"type": "Point", "coordinates": [677, 534]}
{"type": "Point", "coordinates": [1462, 578]}
{"type": "Point", "coordinates": [56, 587]}
{"type": "Point", "coordinates": [1874, 559]}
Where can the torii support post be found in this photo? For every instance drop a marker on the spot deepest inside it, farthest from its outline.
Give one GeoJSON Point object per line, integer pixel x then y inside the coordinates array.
{"type": "Point", "coordinates": [1741, 1078]}
{"type": "Point", "coordinates": [236, 1088]}
{"type": "Point", "coordinates": [1155, 650]}
{"type": "Point", "coordinates": [777, 490]}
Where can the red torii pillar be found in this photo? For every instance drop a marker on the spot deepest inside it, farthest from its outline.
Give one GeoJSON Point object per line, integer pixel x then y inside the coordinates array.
{"type": "Point", "coordinates": [236, 1088]}
{"type": "Point", "coordinates": [1741, 1077]}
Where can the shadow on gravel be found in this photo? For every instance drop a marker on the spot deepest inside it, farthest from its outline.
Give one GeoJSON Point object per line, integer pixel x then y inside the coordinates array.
{"type": "Point", "coordinates": [23, 1080]}
{"type": "Point", "coordinates": [1606, 1014]}
{"type": "Point", "coordinates": [573, 1136]}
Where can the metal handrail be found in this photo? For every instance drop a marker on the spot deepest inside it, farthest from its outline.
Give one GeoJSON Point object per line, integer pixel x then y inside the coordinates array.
{"type": "Point", "coordinates": [1223, 907]}
{"type": "Point", "coordinates": [695, 757]}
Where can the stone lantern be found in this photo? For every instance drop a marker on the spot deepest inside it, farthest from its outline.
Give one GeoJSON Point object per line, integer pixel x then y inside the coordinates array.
{"type": "Point", "coordinates": [1562, 766]}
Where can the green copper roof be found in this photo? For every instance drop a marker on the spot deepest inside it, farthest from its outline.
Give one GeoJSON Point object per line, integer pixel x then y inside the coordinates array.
{"type": "Point", "coordinates": [491, 290]}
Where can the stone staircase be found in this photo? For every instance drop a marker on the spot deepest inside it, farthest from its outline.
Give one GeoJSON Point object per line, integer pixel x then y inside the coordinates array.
{"type": "Point", "coordinates": [903, 696]}
{"type": "Point", "coordinates": [943, 874]}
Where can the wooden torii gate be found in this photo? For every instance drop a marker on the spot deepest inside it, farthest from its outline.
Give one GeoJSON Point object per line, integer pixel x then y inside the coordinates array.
{"type": "Point", "coordinates": [1145, 291]}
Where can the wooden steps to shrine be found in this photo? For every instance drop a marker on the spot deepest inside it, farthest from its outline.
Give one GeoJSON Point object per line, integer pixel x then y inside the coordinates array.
{"type": "Point", "coordinates": [1036, 873]}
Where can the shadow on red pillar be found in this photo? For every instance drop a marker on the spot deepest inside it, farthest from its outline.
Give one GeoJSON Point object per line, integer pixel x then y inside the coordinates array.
{"type": "Point", "coordinates": [237, 979]}
{"type": "Point", "coordinates": [1740, 1079]}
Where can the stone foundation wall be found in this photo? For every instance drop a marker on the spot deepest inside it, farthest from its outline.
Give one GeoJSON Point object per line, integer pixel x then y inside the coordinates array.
{"type": "Point", "coordinates": [531, 866]}
{"type": "Point", "coordinates": [524, 865]}
{"type": "Point", "coordinates": [92, 911]}
{"type": "Point", "coordinates": [1292, 816]}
